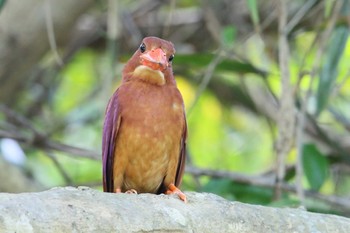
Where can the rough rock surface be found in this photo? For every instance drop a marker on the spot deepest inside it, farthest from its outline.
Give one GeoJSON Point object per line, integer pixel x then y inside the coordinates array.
{"type": "Point", "coordinates": [86, 210]}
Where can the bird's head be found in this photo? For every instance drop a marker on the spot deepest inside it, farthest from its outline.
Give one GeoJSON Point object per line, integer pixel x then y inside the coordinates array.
{"type": "Point", "coordinates": [151, 62]}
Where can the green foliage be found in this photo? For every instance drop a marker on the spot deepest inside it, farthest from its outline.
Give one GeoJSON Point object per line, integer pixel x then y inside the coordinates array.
{"type": "Point", "coordinates": [43, 170]}
{"type": "Point", "coordinates": [78, 79]}
{"type": "Point", "coordinates": [253, 8]}
{"type": "Point", "coordinates": [228, 36]}
{"type": "Point", "coordinates": [315, 166]}
{"type": "Point", "coordinates": [206, 140]}
{"type": "Point", "coordinates": [329, 72]}
{"type": "Point", "coordinates": [217, 137]}
{"type": "Point", "coordinates": [239, 192]}
{"type": "Point", "coordinates": [2, 4]}
{"type": "Point", "coordinates": [328, 7]}
{"type": "Point", "coordinates": [228, 129]}
{"type": "Point", "coordinates": [81, 171]}
{"type": "Point", "coordinates": [202, 60]}
{"type": "Point", "coordinates": [346, 8]}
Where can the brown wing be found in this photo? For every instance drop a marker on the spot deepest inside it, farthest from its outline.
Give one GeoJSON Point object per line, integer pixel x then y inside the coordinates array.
{"type": "Point", "coordinates": [182, 159]}
{"type": "Point", "coordinates": [181, 164]}
{"type": "Point", "coordinates": [110, 132]}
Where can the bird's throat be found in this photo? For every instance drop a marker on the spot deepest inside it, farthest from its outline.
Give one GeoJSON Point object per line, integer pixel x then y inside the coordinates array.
{"type": "Point", "coordinates": [149, 75]}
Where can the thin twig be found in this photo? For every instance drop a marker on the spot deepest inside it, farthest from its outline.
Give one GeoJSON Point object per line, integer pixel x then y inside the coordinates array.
{"type": "Point", "coordinates": [36, 137]}
{"type": "Point", "coordinates": [338, 87]}
{"type": "Point", "coordinates": [51, 32]}
{"type": "Point", "coordinates": [45, 143]}
{"type": "Point", "coordinates": [203, 85]}
{"type": "Point", "coordinates": [61, 170]}
{"type": "Point", "coordinates": [303, 111]}
{"type": "Point", "coordinates": [18, 119]}
{"type": "Point", "coordinates": [132, 29]}
{"type": "Point", "coordinates": [325, 37]}
{"type": "Point", "coordinates": [237, 177]}
{"type": "Point", "coordinates": [166, 28]}
{"type": "Point", "coordinates": [262, 181]}
{"type": "Point", "coordinates": [264, 24]}
{"type": "Point", "coordinates": [299, 15]}
{"type": "Point", "coordinates": [112, 20]}
{"type": "Point", "coordinates": [299, 171]}
{"type": "Point", "coordinates": [112, 35]}
{"type": "Point", "coordinates": [286, 113]}
{"type": "Point", "coordinates": [267, 181]}
{"type": "Point", "coordinates": [206, 79]}
{"type": "Point", "coordinates": [212, 23]}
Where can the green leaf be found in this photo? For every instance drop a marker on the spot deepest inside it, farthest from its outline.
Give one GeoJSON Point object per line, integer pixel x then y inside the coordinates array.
{"type": "Point", "coordinates": [253, 8]}
{"type": "Point", "coordinates": [345, 8]}
{"type": "Point", "coordinates": [228, 35]}
{"type": "Point", "coordinates": [329, 70]}
{"type": "Point", "coordinates": [251, 194]}
{"type": "Point", "coordinates": [315, 166]}
{"type": "Point", "coordinates": [237, 191]}
{"type": "Point", "coordinates": [220, 187]}
{"type": "Point", "coordinates": [2, 3]}
{"type": "Point", "coordinates": [204, 59]}
{"type": "Point", "coordinates": [328, 7]}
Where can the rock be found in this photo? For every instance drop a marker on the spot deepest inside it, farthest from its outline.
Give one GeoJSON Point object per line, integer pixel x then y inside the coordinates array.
{"type": "Point", "coordinates": [83, 209]}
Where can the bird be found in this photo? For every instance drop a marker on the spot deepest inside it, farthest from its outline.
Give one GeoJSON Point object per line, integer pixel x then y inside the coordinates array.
{"type": "Point", "coordinates": [145, 129]}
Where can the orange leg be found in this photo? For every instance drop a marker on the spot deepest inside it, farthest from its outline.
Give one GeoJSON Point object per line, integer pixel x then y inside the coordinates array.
{"type": "Point", "coordinates": [172, 189]}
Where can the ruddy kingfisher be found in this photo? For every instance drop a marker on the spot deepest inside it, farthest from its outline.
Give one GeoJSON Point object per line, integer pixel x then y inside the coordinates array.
{"type": "Point", "coordinates": [144, 133]}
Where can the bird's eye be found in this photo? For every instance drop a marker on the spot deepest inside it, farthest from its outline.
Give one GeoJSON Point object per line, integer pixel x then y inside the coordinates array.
{"type": "Point", "coordinates": [171, 57]}
{"type": "Point", "coordinates": [142, 47]}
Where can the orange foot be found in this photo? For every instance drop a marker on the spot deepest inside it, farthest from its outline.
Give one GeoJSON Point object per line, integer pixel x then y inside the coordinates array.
{"type": "Point", "coordinates": [172, 189]}
{"type": "Point", "coordinates": [131, 191]}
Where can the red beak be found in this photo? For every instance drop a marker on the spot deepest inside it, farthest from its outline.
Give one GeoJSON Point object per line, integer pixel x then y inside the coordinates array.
{"type": "Point", "coordinates": [155, 59]}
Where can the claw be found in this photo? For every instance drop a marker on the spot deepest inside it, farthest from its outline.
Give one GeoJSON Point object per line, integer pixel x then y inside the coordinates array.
{"type": "Point", "coordinates": [131, 191]}
{"type": "Point", "coordinates": [172, 189]}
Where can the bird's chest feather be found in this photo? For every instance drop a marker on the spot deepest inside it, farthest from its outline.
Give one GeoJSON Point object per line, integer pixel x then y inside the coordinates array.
{"type": "Point", "coordinates": [152, 121]}
{"type": "Point", "coordinates": [152, 110]}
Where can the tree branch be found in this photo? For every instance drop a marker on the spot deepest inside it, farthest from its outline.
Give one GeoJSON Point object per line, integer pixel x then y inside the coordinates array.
{"type": "Point", "coordinates": [286, 114]}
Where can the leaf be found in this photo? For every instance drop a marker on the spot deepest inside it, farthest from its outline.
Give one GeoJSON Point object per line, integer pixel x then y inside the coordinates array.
{"type": "Point", "coordinates": [253, 8]}
{"type": "Point", "coordinates": [237, 191]}
{"type": "Point", "coordinates": [315, 166]}
{"type": "Point", "coordinates": [328, 7]}
{"type": "Point", "coordinates": [329, 70]}
{"type": "Point", "coordinates": [2, 3]}
{"type": "Point", "coordinates": [228, 35]}
{"type": "Point", "coordinates": [203, 60]}
{"type": "Point", "coordinates": [251, 194]}
{"type": "Point", "coordinates": [345, 8]}
{"type": "Point", "coordinates": [221, 187]}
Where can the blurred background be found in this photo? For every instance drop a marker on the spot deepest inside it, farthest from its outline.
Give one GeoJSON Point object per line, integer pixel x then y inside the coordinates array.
{"type": "Point", "coordinates": [265, 83]}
